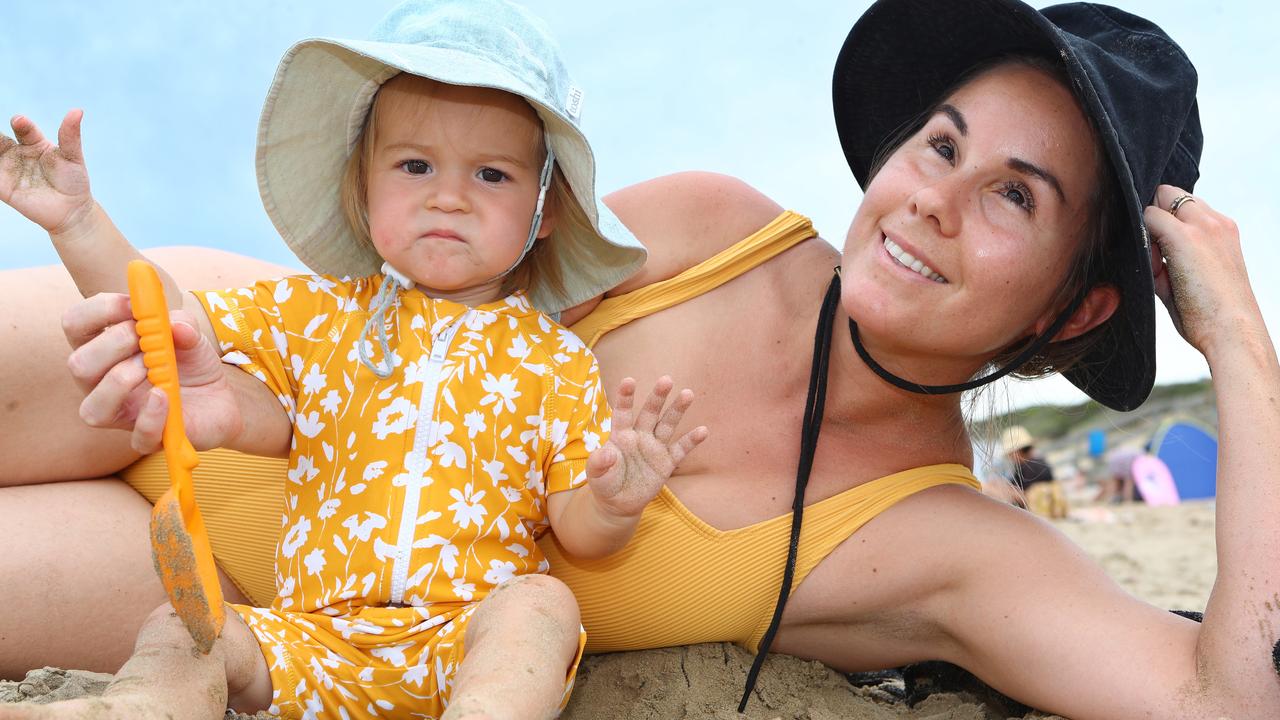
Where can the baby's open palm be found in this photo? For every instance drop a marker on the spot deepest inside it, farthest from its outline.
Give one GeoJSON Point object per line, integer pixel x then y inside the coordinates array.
{"type": "Point", "coordinates": [629, 470]}
{"type": "Point", "coordinates": [47, 183]}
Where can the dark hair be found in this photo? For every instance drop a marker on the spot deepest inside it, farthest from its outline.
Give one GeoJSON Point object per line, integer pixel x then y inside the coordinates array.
{"type": "Point", "coordinates": [1105, 218]}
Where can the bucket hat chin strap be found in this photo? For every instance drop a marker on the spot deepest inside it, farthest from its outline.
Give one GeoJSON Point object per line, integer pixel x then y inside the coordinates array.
{"type": "Point", "coordinates": [393, 280]}
{"type": "Point", "coordinates": [544, 183]}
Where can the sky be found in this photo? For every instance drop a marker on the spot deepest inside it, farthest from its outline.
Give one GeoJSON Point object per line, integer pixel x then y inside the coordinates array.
{"type": "Point", "coordinates": [172, 91]}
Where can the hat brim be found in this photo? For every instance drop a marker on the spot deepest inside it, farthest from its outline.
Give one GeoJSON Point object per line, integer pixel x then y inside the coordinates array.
{"type": "Point", "coordinates": [314, 113]}
{"type": "Point", "coordinates": [896, 63]}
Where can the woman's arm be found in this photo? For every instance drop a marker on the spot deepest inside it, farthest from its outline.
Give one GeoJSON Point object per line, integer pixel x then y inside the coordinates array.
{"type": "Point", "coordinates": [1204, 284]}
{"type": "Point", "coordinates": [1036, 618]}
{"type": "Point", "coordinates": [44, 438]}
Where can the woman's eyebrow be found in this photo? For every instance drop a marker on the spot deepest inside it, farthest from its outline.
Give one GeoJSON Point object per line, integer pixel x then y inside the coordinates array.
{"type": "Point", "coordinates": [957, 117]}
{"type": "Point", "coordinates": [1015, 164]}
{"type": "Point", "coordinates": [1027, 168]}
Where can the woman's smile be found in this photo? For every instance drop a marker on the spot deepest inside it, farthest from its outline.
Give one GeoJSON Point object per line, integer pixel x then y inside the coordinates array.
{"type": "Point", "coordinates": [912, 261]}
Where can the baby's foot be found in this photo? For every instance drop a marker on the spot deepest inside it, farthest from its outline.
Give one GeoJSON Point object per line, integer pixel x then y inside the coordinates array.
{"type": "Point", "coordinates": [121, 707]}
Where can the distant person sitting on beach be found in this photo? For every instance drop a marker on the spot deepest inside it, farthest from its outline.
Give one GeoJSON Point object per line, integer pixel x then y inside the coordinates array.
{"type": "Point", "coordinates": [1031, 476]}
{"type": "Point", "coordinates": [436, 421]}
{"type": "Point", "coordinates": [1117, 484]}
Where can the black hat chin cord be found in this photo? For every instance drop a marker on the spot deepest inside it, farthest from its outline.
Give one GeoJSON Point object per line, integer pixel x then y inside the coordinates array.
{"type": "Point", "coordinates": [813, 409]}
{"type": "Point", "coordinates": [1027, 353]}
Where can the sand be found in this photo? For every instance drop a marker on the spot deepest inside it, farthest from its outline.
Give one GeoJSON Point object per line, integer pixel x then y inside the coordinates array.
{"type": "Point", "coordinates": [1163, 555]}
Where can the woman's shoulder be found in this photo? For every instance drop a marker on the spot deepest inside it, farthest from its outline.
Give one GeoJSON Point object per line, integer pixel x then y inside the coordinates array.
{"type": "Point", "coordinates": [685, 218]}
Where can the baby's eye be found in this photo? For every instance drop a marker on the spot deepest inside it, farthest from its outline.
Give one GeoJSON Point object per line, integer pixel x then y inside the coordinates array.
{"type": "Point", "coordinates": [416, 167]}
{"type": "Point", "coordinates": [944, 146]}
{"type": "Point", "coordinates": [491, 175]}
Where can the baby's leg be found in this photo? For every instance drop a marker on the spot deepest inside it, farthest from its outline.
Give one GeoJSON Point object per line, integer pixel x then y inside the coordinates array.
{"type": "Point", "coordinates": [167, 677]}
{"type": "Point", "coordinates": [519, 644]}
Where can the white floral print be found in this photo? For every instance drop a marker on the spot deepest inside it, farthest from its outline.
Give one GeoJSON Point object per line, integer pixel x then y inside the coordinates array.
{"type": "Point", "coordinates": [476, 443]}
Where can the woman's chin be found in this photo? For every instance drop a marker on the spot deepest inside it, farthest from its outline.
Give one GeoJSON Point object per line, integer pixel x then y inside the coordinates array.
{"type": "Point", "coordinates": [868, 303]}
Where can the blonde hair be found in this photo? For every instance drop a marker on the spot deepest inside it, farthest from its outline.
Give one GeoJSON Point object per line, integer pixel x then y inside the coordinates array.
{"type": "Point", "coordinates": [540, 267]}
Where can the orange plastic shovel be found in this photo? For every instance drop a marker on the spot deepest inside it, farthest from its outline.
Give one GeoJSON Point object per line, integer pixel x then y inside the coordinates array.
{"type": "Point", "coordinates": [179, 541]}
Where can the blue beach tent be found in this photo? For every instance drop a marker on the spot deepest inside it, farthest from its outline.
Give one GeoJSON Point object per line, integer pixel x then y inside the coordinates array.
{"type": "Point", "coordinates": [1191, 452]}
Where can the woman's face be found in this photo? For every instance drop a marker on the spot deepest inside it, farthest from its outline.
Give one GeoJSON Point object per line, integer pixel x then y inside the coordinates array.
{"type": "Point", "coordinates": [964, 236]}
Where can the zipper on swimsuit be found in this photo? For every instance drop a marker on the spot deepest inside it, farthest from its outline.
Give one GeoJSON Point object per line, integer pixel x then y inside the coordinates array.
{"type": "Point", "coordinates": [423, 439]}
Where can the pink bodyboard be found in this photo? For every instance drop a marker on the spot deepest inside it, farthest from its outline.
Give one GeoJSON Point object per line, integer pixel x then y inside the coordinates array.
{"type": "Point", "coordinates": [1154, 481]}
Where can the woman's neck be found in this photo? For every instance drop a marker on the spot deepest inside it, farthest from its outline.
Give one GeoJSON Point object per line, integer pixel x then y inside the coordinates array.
{"type": "Point", "coordinates": [858, 396]}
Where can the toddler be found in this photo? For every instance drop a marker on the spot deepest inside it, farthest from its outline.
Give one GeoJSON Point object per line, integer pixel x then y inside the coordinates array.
{"type": "Point", "coordinates": [436, 417]}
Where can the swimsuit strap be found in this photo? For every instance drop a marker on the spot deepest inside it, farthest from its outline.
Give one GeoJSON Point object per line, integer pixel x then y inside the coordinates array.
{"type": "Point", "coordinates": [780, 234]}
{"type": "Point", "coordinates": [813, 408]}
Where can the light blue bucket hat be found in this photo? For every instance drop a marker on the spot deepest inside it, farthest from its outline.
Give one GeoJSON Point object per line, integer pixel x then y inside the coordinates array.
{"type": "Point", "coordinates": [322, 93]}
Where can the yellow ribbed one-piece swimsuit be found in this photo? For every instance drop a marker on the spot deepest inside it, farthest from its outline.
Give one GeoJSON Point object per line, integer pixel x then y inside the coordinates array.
{"type": "Point", "coordinates": [669, 585]}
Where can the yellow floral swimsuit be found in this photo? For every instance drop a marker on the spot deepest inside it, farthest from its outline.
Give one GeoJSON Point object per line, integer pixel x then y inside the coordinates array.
{"type": "Point", "coordinates": [407, 499]}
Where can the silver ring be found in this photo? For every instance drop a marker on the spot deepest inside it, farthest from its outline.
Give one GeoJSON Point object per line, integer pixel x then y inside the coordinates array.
{"type": "Point", "coordinates": [1179, 202]}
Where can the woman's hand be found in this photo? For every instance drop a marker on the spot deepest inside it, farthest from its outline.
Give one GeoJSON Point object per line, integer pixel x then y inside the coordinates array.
{"type": "Point", "coordinates": [107, 364]}
{"type": "Point", "coordinates": [47, 183]}
{"type": "Point", "coordinates": [1199, 271]}
{"type": "Point", "coordinates": [1203, 282]}
{"type": "Point", "coordinates": [629, 470]}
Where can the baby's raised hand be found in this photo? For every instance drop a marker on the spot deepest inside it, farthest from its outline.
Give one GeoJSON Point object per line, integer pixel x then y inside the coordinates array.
{"type": "Point", "coordinates": [47, 183]}
{"type": "Point", "coordinates": [628, 471]}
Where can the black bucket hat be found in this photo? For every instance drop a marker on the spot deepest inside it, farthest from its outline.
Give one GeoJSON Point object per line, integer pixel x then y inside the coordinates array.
{"type": "Point", "coordinates": [1133, 81]}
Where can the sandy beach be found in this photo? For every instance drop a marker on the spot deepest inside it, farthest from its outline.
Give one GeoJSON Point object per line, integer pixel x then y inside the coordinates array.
{"type": "Point", "coordinates": [1163, 555]}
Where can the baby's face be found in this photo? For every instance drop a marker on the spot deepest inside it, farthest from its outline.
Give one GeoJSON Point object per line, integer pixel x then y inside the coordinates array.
{"type": "Point", "coordinates": [452, 184]}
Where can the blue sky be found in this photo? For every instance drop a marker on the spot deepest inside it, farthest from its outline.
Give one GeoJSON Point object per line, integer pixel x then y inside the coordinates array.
{"type": "Point", "coordinates": [172, 91]}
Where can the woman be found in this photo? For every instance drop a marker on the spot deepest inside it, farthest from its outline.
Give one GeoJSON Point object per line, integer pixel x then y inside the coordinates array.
{"type": "Point", "coordinates": [995, 183]}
